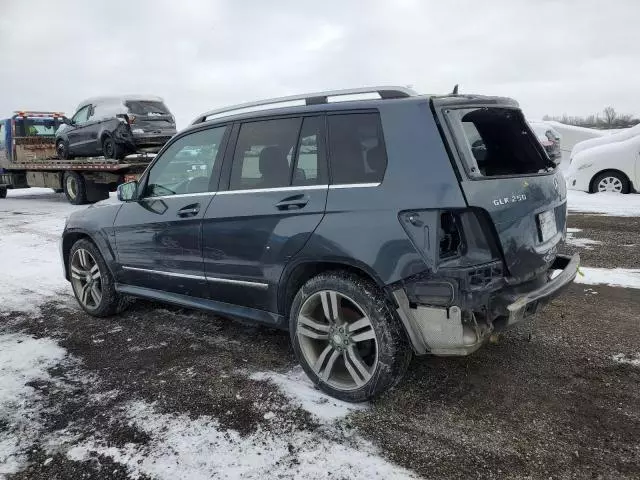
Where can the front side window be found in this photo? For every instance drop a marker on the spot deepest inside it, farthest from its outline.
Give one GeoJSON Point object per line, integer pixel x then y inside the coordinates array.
{"type": "Point", "coordinates": [186, 166]}
{"type": "Point", "coordinates": [357, 149]}
{"type": "Point", "coordinates": [263, 154]}
{"type": "Point", "coordinates": [82, 115]}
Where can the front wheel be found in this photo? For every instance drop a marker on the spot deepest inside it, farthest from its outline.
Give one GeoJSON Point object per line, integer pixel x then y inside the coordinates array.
{"type": "Point", "coordinates": [92, 282]}
{"type": "Point", "coordinates": [347, 338]}
{"type": "Point", "coordinates": [62, 150]}
{"type": "Point", "coordinates": [610, 182]}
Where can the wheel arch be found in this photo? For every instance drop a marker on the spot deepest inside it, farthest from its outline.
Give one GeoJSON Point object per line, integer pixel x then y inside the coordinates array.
{"type": "Point", "coordinates": [68, 241]}
{"type": "Point", "coordinates": [299, 273]}
{"type": "Point", "coordinates": [608, 170]}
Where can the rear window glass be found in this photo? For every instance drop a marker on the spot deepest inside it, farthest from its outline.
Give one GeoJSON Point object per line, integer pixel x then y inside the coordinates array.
{"type": "Point", "coordinates": [357, 149]}
{"type": "Point", "coordinates": [146, 107]}
{"type": "Point", "coordinates": [498, 142]}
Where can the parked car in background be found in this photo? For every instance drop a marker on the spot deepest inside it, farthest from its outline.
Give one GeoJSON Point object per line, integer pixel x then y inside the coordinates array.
{"type": "Point", "coordinates": [115, 127]}
{"type": "Point", "coordinates": [617, 136]}
{"type": "Point", "coordinates": [611, 166]}
{"type": "Point", "coordinates": [370, 229]}
{"type": "Point", "coordinates": [549, 138]}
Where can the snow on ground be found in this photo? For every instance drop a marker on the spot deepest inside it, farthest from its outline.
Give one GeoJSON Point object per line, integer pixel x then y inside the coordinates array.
{"type": "Point", "coordinates": [604, 203]}
{"type": "Point", "coordinates": [23, 359]}
{"type": "Point", "coordinates": [580, 242]}
{"type": "Point", "coordinates": [615, 277]}
{"type": "Point", "coordinates": [32, 220]}
{"type": "Point", "coordinates": [181, 448]}
{"type": "Point", "coordinates": [633, 360]}
{"type": "Point", "coordinates": [301, 391]}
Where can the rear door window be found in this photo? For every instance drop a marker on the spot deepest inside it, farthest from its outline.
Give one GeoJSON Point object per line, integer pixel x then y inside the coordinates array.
{"type": "Point", "coordinates": [357, 149]}
{"type": "Point", "coordinates": [263, 154]}
{"type": "Point", "coordinates": [497, 142]}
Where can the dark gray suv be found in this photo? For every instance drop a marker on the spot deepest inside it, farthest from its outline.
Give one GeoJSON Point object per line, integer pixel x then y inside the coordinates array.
{"type": "Point", "coordinates": [371, 229]}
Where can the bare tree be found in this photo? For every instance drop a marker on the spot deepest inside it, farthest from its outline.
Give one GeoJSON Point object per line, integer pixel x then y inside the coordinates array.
{"type": "Point", "coordinates": [610, 116]}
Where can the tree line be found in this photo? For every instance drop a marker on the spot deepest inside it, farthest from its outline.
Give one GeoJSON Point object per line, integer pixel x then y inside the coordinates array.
{"type": "Point", "coordinates": [609, 118]}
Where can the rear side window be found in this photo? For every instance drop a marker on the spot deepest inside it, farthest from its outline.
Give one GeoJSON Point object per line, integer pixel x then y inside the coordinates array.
{"type": "Point", "coordinates": [498, 142]}
{"type": "Point", "coordinates": [146, 107]}
{"type": "Point", "coordinates": [264, 153]}
{"type": "Point", "coordinates": [310, 168]}
{"type": "Point", "coordinates": [357, 149]}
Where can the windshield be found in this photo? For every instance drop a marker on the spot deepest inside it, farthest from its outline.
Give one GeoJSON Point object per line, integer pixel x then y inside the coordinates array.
{"type": "Point", "coordinates": [36, 127]}
{"type": "Point", "coordinates": [147, 107]}
{"type": "Point", "coordinates": [497, 142]}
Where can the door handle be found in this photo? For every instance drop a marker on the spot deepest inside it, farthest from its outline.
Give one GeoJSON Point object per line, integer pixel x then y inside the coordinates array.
{"type": "Point", "coordinates": [293, 202]}
{"type": "Point", "coordinates": [189, 210]}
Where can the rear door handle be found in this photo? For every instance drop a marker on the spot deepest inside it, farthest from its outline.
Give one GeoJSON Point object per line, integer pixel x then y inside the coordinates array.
{"type": "Point", "coordinates": [189, 211]}
{"type": "Point", "coordinates": [293, 202]}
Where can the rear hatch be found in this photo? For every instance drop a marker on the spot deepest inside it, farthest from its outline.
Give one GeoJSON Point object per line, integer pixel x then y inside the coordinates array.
{"type": "Point", "coordinates": [150, 116]}
{"type": "Point", "coordinates": [505, 171]}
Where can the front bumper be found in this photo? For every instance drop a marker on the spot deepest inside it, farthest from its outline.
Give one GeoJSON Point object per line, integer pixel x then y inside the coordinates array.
{"type": "Point", "coordinates": [523, 304]}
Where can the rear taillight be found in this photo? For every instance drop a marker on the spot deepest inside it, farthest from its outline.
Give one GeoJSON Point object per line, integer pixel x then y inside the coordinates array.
{"type": "Point", "coordinates": [131, 118]}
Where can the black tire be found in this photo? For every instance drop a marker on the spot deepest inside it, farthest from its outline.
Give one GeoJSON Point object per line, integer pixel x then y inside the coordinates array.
{"type": "Point", "coordinates": [393, 349]}
{"type": "Point", "coordinates": [62, 150]}
{"type": "Point", "coordinates": [58, 190]}
{"type": "Point", "coordinates": [111, 148]}
{"type": "Point", "coordinates": [3, 192]}
{"type": "Point", "coordinates": [111, 302]}
{"type": "Point", "coordinates": [620, 177]}
{"type": "Point", "coordinates": [75, 188]}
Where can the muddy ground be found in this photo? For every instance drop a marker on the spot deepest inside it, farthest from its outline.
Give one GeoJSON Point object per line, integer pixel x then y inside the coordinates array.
{"type": "Point", "coordinates": [545, 401]}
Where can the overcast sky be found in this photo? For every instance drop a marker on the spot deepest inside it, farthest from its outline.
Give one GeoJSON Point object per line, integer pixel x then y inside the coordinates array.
{"type": "Point", "coordinates": [571, 56]}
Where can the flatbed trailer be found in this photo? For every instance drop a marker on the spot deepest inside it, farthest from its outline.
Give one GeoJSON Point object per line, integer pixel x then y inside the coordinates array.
{"type": "Point", "coordinates": [28, 159]}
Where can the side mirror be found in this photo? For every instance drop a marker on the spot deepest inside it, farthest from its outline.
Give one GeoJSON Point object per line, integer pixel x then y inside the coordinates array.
{"type": "Point", "coordinates": [127, 192]}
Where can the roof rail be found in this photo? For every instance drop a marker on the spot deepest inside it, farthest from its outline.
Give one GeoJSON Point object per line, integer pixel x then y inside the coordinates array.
{"type": "Point", "coordinates": [310, 99]}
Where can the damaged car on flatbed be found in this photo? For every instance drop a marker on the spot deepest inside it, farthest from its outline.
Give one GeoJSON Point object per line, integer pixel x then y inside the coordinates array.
{"type": "Point", "coordinates": [371, 229]}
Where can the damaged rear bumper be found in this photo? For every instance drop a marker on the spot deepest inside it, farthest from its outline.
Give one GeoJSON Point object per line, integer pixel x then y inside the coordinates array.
{"type": "Point", "coordinates": [450, 330]}
{"type": "Point", "coordinates": [522, 305]}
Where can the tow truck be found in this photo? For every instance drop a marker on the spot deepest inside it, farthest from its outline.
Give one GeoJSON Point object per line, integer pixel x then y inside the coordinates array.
{"type": "Point", "coordinates": [28, 159]}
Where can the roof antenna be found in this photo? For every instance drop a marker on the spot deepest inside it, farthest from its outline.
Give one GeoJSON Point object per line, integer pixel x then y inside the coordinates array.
{"type": "Point", "coordinates": [455, 90]}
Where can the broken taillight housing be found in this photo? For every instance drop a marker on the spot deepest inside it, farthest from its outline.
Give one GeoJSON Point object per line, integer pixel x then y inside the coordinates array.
{"type": "Point", "coordinates": [450, 238]}
{"type": "Point", "coordinates": [131, 118]}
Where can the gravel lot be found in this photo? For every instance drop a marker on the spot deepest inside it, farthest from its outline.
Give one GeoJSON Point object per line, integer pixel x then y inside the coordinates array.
{"type": "Point", "coordinates": [547, 400]}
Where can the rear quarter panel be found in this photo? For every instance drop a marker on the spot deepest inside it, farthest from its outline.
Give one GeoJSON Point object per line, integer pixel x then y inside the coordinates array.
{"type": "Point", "coordinates": [361, 225]}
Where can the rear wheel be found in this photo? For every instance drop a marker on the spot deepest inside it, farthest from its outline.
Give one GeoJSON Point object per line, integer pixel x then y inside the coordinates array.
{"type": "Point", "coordinates": [92, 282]}
{"type": "Point", "coordinates": [610, 182]}
{"type": "Point", "coordinates": [75, 188]}
{"type": "Point", "coordinates": [111, 149]}
{"type": "Point", "coordinates": [3, 192]}
{"type": "Point", "coordinates": [346, 337]}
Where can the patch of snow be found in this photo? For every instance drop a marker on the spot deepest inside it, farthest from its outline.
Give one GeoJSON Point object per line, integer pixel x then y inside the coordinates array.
{"type": "Point", "coordinates": [181, 448]}
{"type": "Point", "coordinates": [585, 243]}
{"type": "Point", "coordinates": [627, 359]}
{"type": "Point", "coordinates": [32, 220]}
{"type": "Point", "coordinates": [605, 203]}
{"type": "Point", "coordinates": [615, 277]}
{"type": "Point", "coordinates": [297, 387]}
{"type": "Point", "coordinates": [23, 359]}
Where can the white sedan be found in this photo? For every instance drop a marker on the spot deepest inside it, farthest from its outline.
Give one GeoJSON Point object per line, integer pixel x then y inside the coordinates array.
{"type": "Point", "coordinates": [608, 167]}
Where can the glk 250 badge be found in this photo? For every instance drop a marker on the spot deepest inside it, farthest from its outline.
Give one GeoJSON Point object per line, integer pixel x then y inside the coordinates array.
{"type": "Point", "coordinates": [515, 198]}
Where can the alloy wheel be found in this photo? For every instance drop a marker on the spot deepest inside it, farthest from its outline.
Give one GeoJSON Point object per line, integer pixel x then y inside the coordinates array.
{"type": "Point", "coordinates": [337, 340]}
{"type": "Point", "coordinates": [610, 184]}
{"type": "Point", "coordinates": [86, 278]}
{"type": "Point", "coordinates": [72, 187]}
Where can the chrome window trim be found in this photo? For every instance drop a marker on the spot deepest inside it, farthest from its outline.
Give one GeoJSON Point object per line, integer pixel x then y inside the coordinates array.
{"type": "Point", "coordinates": [245, 283]}
{"type": "Point", "coordinates": [354, 185]}
{"type": "Point", "coordinates": [177, 195]}
{"type": "Point", "coordinates": [274, 189]}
